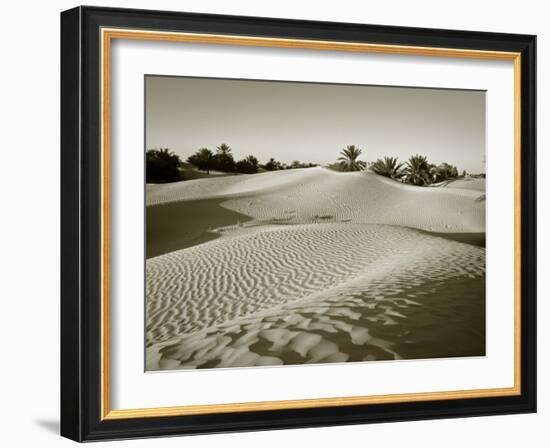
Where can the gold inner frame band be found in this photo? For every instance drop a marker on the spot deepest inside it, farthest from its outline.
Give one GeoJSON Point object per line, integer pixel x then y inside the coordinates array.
{"type": "Point", "coordinates": [107, 35]}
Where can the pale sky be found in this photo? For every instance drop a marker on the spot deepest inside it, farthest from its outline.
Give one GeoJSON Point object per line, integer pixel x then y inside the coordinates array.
{"type": "Point", "coordinates": [312, 122]}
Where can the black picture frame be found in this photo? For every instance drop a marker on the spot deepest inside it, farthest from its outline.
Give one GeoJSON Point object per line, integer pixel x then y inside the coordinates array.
{"type": "Point", "coordinates": [81, 224]}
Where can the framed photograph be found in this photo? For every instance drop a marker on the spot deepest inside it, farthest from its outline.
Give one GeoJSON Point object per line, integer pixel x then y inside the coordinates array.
{"type": "Point", "coordinates": [272, 223]}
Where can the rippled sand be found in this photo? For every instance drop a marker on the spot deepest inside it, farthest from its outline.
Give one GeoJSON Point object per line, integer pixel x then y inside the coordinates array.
{"type": "Point", "coordinates": [322, 271]}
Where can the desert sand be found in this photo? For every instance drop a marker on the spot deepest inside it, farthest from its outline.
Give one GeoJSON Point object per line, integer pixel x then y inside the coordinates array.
{"type": "Point", "coordinates": [471, 184]}
{"type": "Point", "coordinates": [311, 265]}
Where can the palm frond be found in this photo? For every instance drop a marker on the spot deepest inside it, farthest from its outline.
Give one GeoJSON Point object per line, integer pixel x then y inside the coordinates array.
{"type": "Point", "coordinates": [348, 159]}
{"type": "Point", "coordinates": [389, 167]}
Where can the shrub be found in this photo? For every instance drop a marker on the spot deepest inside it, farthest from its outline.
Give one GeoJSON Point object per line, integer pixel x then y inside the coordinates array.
{"type": "Point", "coordinates": [443, 172]}
{"type": "Point", "coordinates": [248, 165]}
{"type": "Point", "coordinates": [203, 159]}
{"type": "Point", "coordinates": [389, 167]}
{"type": "Point", "coordinates": [161, 166]}
{"type": "Point", "coordinates": [273, 165]}
{"type": "Point", "coordinates": [298, 164]}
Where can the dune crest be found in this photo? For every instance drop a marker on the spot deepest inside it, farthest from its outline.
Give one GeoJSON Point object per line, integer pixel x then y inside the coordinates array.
{"type": "Point", "coordinates": [217, 187]}
{"type": "Point", "coordinates": [314, 195]}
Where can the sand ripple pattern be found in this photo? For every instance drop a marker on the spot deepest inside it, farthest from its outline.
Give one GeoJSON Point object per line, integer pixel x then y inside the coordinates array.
{"type": "Point", "coordinates": [296, 294]}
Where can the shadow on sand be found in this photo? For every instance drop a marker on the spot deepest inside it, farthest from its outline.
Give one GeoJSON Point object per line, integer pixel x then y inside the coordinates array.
{"type": "Point", "coordinates": [179, 225]}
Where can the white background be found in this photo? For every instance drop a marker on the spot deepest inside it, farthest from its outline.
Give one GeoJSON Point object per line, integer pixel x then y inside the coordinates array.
{"type": "Point", "coordinates": [30, 225]}
{"type": "Point", "coordinates": [132, 388]}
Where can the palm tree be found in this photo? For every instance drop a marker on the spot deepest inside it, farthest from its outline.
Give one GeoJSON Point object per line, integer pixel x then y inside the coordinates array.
{"type": "Point", "coordinates": [203, 159]}
{"type": "Point", "coordinates": [223, 149]}
{"type": "Point", "coordinates": [348, 159]}
{"type": "Point", "coordinates": [388, 167]}
{"type": "Point", "coordinates": [417, 171]}
{"type": "Point", "coordinates": [224, 158]}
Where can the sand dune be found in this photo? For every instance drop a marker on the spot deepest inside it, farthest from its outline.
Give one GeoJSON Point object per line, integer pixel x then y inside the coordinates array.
{"type": "Point", "coordinates": [327, 267]}
{"type": "Point", "coordinates": [472, 184]}
{"type": "Point", "coordinates": [217, 187]}
{"type": "Point", "coordinates": [317, 194]}
{"type": "Point", "coordinates": [280, 293]}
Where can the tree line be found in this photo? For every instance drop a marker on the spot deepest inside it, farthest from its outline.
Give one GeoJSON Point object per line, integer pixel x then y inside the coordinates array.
{"type": "Point", "coordinates": [164, 166]}
{"type": "Point", "coordinates": [222, 160]}
{"type": "Point", "coordinates": [415, 171]}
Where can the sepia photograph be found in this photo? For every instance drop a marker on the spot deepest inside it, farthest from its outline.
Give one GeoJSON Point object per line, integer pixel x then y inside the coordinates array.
{"type": "Point", "coordinates": [292, 223]}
